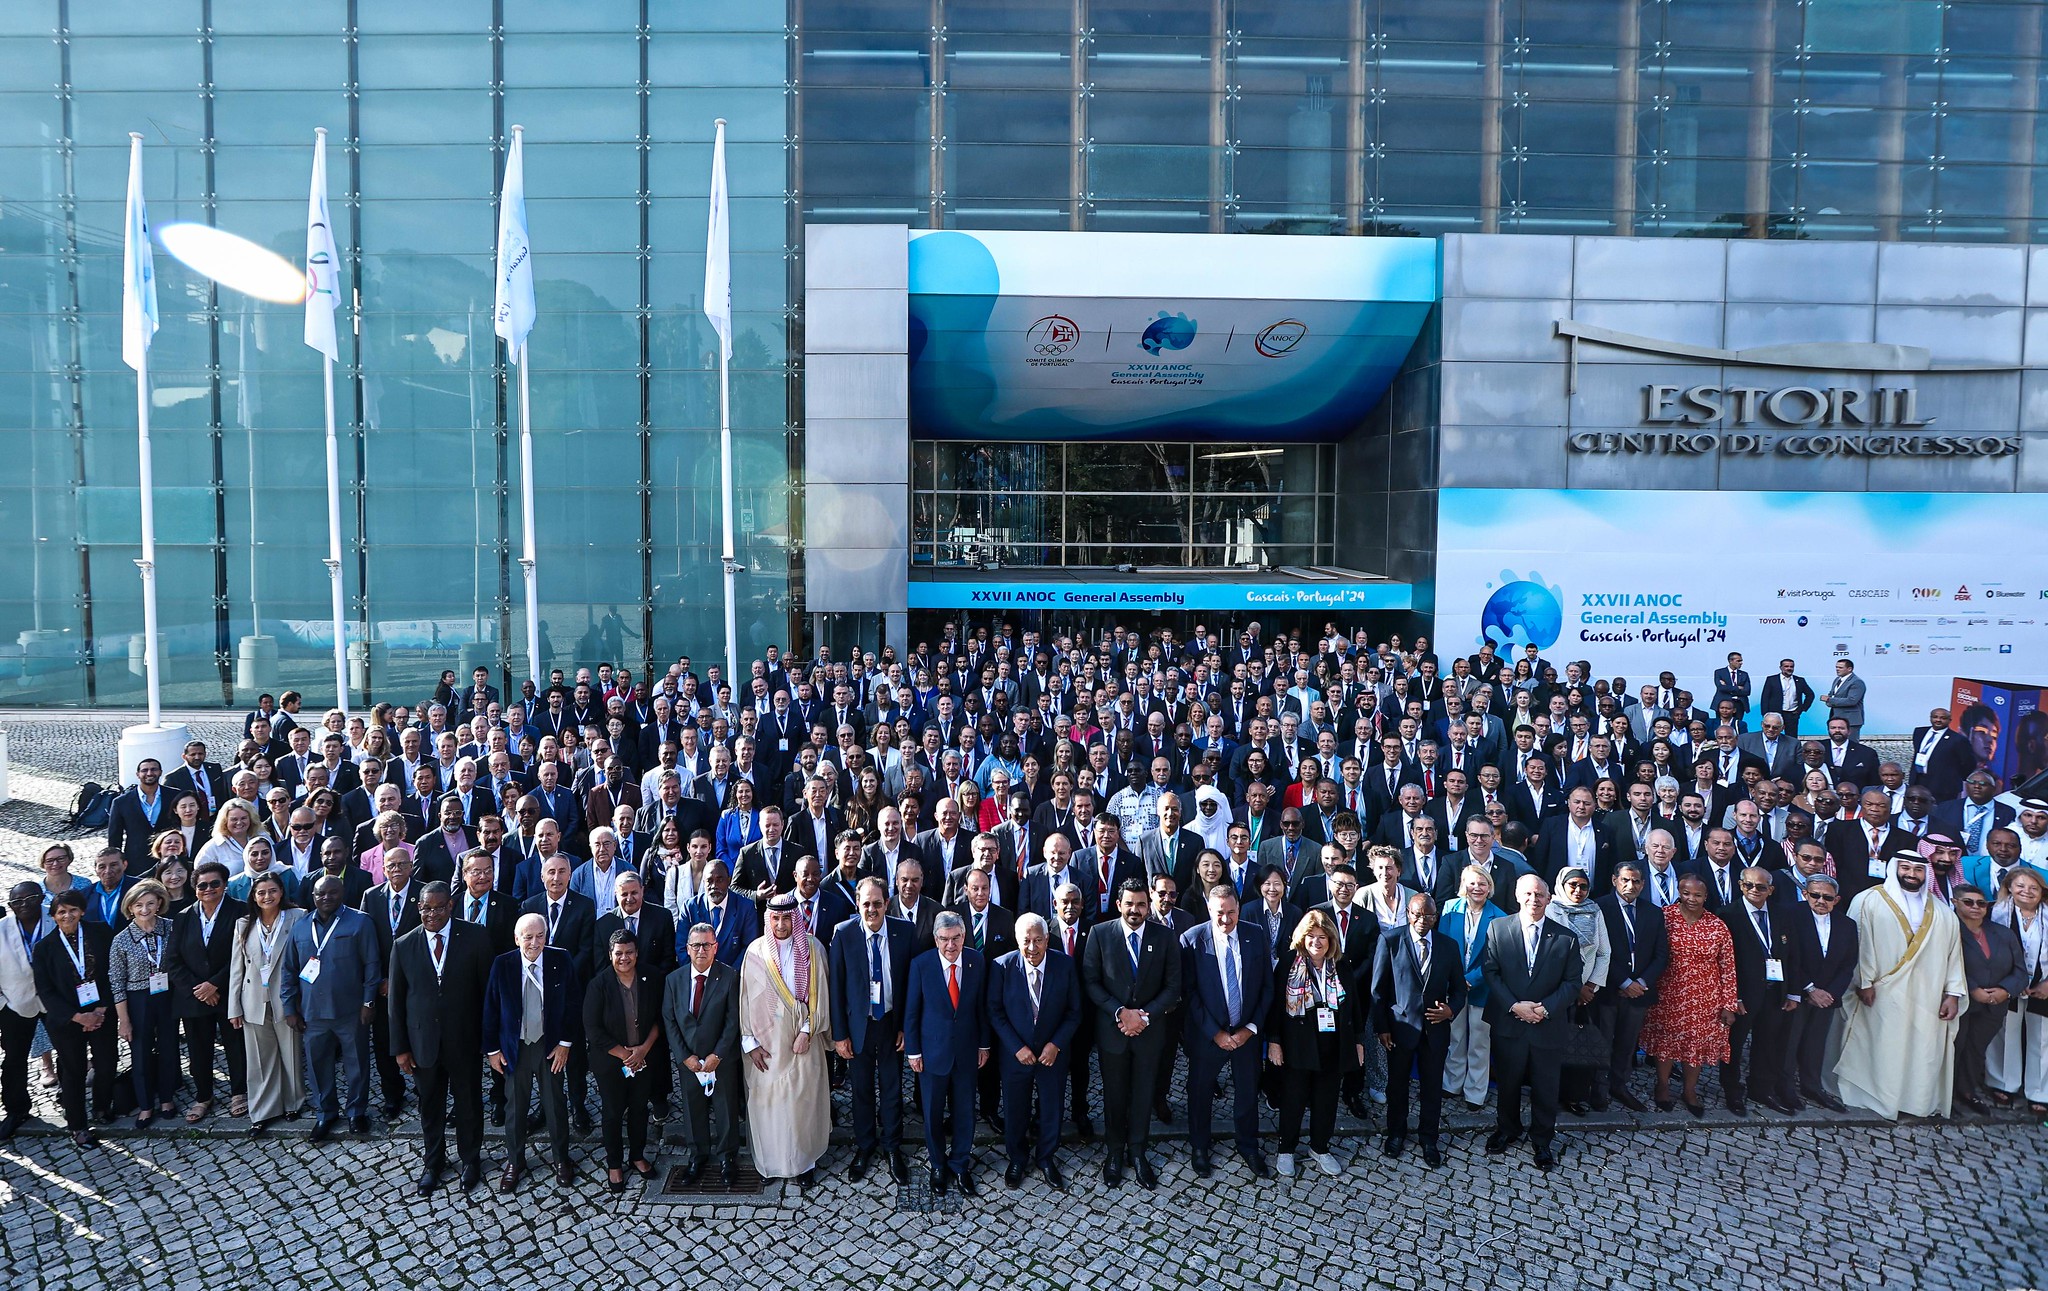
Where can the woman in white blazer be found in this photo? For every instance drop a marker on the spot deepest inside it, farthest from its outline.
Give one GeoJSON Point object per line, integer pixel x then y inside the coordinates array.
{"type": "Point", "coordinates": [277, 1087]}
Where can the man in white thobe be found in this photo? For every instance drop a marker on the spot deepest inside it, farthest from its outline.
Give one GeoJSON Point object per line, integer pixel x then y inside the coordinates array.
{"type": "Point", "coordinates": [1898, 1038]}
{"type": "Point", "coordinates": [785, 1030]}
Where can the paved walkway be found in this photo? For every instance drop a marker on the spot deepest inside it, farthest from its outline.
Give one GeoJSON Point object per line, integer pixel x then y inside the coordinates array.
{"type": "Point", "coordinates": [1653, 1201]}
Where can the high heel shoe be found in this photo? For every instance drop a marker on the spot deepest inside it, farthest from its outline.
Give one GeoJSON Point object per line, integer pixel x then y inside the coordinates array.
{"type": "Point", "coordinates": [1663, 1101]}
{"type": "Point", "coordinates": [642, 1168]}
{"type": "Point", "coordinates": [1697, 1108]}
{"type": "Point", "coordinates": [615, 1181]}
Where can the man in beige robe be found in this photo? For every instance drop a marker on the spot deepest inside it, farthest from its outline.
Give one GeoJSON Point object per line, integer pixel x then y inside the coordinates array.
{"type": "Point", "coordinates": [785, 1031]}
{"type": "Point", "coordinates": [1898, 1036]}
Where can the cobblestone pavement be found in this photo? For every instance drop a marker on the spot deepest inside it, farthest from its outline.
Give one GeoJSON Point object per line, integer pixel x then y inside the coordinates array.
{"type": "Point", "coordinates": [1649, 1201]}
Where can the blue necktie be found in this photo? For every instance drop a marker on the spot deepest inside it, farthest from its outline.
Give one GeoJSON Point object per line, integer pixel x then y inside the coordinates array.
{"type": "Point", "coordinates": [1231, 999]}
{"type": "Point", "coordinates": [875, 974]}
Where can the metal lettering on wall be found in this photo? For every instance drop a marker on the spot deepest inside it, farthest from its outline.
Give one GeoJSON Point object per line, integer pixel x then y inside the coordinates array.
{"type": "Point", "coordinates": [1825, 444]}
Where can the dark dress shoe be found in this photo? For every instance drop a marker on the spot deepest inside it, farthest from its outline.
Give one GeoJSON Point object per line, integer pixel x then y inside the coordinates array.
{"type": "Point", "coordinates": [899, 1166]}
{"type": "Point", "coordinates": [392, 1111]}
{"type": "Point", "coordinates": [1666, 1104]}
{"type": "Point", "coordinates": [1830, 1102]}
{"type": "Point", "coordinates": [359, 1126]}
{"type": "Point", "coordinates": [509, 1181]}
{"type": "Point", "coordinates": [861, 1161]}
{"type": "Point", "coordinates": [808, 1178]}
{"type": "Point", "coordinates": [1498, 1142]}
{"type": "Point", "coordinates": [1737, 1107]}
{"type": "Point", "coordinates": [1977, 1104]}
{"type": "Point", "coordinates": [936, 1180]}
{"type": "Point", "coordinates": [472, 1175]}
{"type": "Point", "coordinates": [565, 1173]}
{"type": "Point", "coordinates": [498, 1115]}
{"type": "Point", "coordinates": [645, 1169]}
{"type": "Point", "coordinates": [1084, 1129]}
{"type": "Point", "coordinates": [1112, 1171]}
{"type": "Point", "coordinates": [1355, 1104]}
{"type": "Point", "coordinates": [1142, 1170]}
{"type": "Point", "coordinates": [1545, 1161]}
{"type": "Point", "coordinates": [659, 1109]}
{"type": "Point", "coordinates": [11, 1126]}
{"type": "Point", "coordinates": [1430, 1156]}
{"type": "Point", "coordinates": [1255, 1160]}
{"type": "Point", "coordinates": [693, 1174]}
{"type": "Point", "coordinates": [965, 1178]}
{"type": "Point", "coordinates": [1630, 1101]}
{"type": "Point", "coordinates": [1395, 1144]}
{"type": "Point", "coordinates": [1163, 1111]}
{"type": "Point", "coordinates": [731, 1173]}
{"type": "Point", "coordinates": [1053, 1178]}
{"type": "Point", "coordinates": [84, 1140]}
{"type": "Point", "coordinates": [1793, 1105]}
{"type": "Point", "coordinates": [1203, 1166]}
{"type": "Point", "coordinates": [323, 1129]}
{"type": "Point", "coordinates": [1698, 1108]}
{"type": "Point", "coordinates": [579, 1120]}
{"type": "Point", "coordinates": [1577, 1108]}
{"type": "Point", "coordinates": [429, 1177]}
{"type": "Point", "coordinates": [1013, 1177]}
{"type": "Point", "coordinates": [258, 1129]}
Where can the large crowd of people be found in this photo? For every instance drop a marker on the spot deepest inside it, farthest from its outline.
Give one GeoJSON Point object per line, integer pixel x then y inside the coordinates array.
{"type": "Point", "coordinates": [1020, 880]}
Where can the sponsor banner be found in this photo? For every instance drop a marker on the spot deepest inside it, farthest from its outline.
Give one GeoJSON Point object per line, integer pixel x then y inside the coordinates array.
{"type": "Point", "coordinates": [1916, 588]}
{"type": "Point", "coordinates": [1129, 335]}
{"type": "Point", "coordinates": [2005, 724]}
{"type": "Point", "coordinates": [1047, 595]}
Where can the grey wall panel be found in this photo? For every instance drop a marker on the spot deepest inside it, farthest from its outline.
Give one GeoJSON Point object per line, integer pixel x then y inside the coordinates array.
{"type": "Point", "coordinates": [1750, 324]}
{"type": "Point", "coordinates": [1500, 457]}
{"type": "Point", "coordinates": [858, 515]}
{"type": "Point", "coordinates": [1503, 394]}
{"type": "Point", "coordinates": [1687, 322]}
{"type": "Point", "coordinates": [2032, 472]}
{"type": "Point", "coordinates": [1503, 329]}
{"type": "Point", "coordinates": [1794, 474]}
{"type": "Point", "coordinates": [1931, 273]}
{"type": "Point", "coordinates": [855, 450]}
{"type": "Point", "coordinates": [1974, 404]}
{"type": "Point", "coordinates": [1506, 264]}
{"type": "Point", "coordinates": [868, 386]}
{"type": "Point", "coordinates": [1955, 335]}
{"type": "Point", "coordinates": [1817, 272]}
{"type": "Point", "coordinates": [1659, 269]}
{"type": "Point", "coordinates": [1639, 470]}
{"type": "Point", "coordinates": [839, 581]}
{"type": "Point", "coordinates": [1943, 474]}
{"type": "Point", "coordinates": [1611, 394]}
{"type": "Point", "coordinates": [2034, 401]}
{"type": "Point", "coordinates": [856, 321]}
{"type": "Point", "coordinates": [857, 255]}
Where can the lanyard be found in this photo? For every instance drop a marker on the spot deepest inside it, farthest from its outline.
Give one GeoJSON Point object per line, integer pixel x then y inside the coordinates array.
{"type": "Point", "coordinates": [437, 951]}
{"type": "Point", "coordinates": [206, 922]}
{"type": "Point", "coordinates": [78, 956]}
{"type": "Point", "coordinates": [152, 945]}
{"type": "Point", "coordinates": [320, 942]}
{"type": "Point", "coordinates": [110, 905]}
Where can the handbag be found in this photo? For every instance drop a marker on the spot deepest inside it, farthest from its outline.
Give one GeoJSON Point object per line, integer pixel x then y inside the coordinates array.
{"type": "Point", "coordinates": [1585, 1044]}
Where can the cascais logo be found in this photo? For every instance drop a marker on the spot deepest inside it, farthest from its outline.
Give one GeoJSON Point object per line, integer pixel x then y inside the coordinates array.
{"type": "Point", "coordinates": [1168, 332]}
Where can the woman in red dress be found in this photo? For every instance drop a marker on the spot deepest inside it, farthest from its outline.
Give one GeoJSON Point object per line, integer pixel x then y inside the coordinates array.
{"type": "Point", "coordinates": [1696, 997]}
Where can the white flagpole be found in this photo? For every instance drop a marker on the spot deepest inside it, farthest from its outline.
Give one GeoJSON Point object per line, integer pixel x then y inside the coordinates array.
{"type": "Point", "coordinates": [139, 322]}
{"type": "Point", "coordinates": [514, 312]}
{"type": "Point", "coordinates": [718, 307]}
{"type": "Point", "coordinates": [323, 278]}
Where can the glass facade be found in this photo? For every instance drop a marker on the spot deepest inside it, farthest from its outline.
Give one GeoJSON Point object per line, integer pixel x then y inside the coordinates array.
{"type": "Point", "coordinates": [1888, 119]}
{"type": "Point", "coordinates": [1207, 505]}
{"type": "Point", "coordinates": [618, 99]}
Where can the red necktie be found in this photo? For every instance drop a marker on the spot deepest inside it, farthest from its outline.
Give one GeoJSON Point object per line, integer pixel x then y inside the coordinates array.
{"type": "Point", "coordinates": [1343, 924]}
{"type": "Point", "coordinates": [1070, 943]}
{"type": "Point", "coordinates": [953, 983]}
{"type": "Point", "coordinates": [697, 996]}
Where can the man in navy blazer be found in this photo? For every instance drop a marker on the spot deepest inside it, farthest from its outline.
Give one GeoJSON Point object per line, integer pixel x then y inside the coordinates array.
{"type": "Point", "coordinates": [1418, 989]}
{"type": "Point", "coordinates": [1034, 1008]}
{"type": "Point", "coordinates": [1828, 955]}
{"type": "Point", "coordinates": [557, 1021]}
{"type": "Point", "coordinates": [1526, 997]}
{"type": "Point", "coordinates": [732, 916]}
{"type": "Point", "coordinates": [1642, 951]}
{"type": "Point", "coordinates": [332, 979]}
{"type": "Point", "coordinates": [1229, 975]}
{"type": "Point", "coordinates": [870, 981]}
{"type": "Point", "coordinates": [946, 1037]}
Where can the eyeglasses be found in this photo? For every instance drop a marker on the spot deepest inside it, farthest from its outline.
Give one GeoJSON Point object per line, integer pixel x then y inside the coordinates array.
{"type": "Point", "coordinates": [1756, 887]}
{"type": "Point", "coordinates": [1971, 901]}
{"type": "Point", "coordinates": [1822, 896]}
{"type": "Point", "coordinates": [207, 885]}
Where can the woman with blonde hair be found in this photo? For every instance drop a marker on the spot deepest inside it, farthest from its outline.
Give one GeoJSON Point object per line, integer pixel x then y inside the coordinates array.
{"type": "Point", "coordinates": [233, 826]}
{"type": "Point", "coordinates": [1316, 1036]}
{"type": "Point", "coordinates": [1464, 920]}
{"type": "Point", "coordinates": [138, 965]}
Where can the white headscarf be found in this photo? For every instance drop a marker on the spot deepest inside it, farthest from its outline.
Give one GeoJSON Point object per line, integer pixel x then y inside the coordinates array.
{"type": "Point", "coordinates": [1912, 904]}
{"type": "Point", "coordinates": [1215, 830]}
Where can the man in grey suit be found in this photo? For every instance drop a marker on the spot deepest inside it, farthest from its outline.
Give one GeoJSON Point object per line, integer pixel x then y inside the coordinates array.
{"type": "Point", "coordinates": [1778, 751]}
{"type": "Point", "coordinates": [331, 975]}
{"type": "Point", "coordinates": [1845, 697]}
{"type": "Point", "coordinates": [1532, 970]}
{"type": "Point", "coordinates": [700, 1009]}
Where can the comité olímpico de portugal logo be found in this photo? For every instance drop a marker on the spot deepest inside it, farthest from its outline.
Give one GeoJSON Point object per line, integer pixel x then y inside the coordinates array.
{"type": "Point", "coordinates": [1167, 332]}
{"type": "Point", "coordinates": [1047, 341]}
{"type": "Point", "coordinates": [1522, 611]}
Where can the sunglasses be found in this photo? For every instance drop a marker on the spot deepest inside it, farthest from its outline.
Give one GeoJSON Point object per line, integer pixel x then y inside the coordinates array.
{"type": "Point", "coordinates": [1756, 887]}
{"type": "Point", "coordinates": [1822, 896]}
{"type": "Point", "coordinates": [1972, 901]}
{"type": "Point", "coordinates": [208, 885]}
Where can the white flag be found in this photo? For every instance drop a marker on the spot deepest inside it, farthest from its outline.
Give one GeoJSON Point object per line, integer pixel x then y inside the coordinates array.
{"type": "Point", "coordinates": [321, 260]}
{"type": "Point", "coordinates": [514, 312]}
{"type": "Point", "coordinates": [138, 270]}
{"type": "Point", "coordinates": [718, 251]}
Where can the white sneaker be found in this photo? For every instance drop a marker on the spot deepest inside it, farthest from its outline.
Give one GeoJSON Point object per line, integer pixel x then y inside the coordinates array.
{"type": "Point", "coordinates": [1284, 1164]}
{"type": "Point", "coordinates": [1328, 1163]}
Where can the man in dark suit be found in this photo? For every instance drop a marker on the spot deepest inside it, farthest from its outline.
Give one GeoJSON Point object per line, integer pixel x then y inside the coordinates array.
{"type": "Point", "coordinates": [332, 1008]}
{"type": "Point", "coordinates": [1044, 880]}
{"type": "Point", "coordinates": [911, 905]}
{"type": "Point", "coordinates": [946, 1040]}
{"type": "Point", "coordinates": [572, 927]}
{"type": "Point", "coordinates": [1971, 818]}
{"type": "Point", "coordinates": [1132, 972]}
{"type": "Point", "coordinates": [1426, 867]}
{"type": "Point", "coordinates": [1108, 864]}
{"type": "Point", "coordinates": [1418, 988]}
{"type": "Point", "coordinates": [1732, 683]}
{"type": "Point", "coordinates": [700, 1011]}
{"type": "Point", "coordinates": [1532, 969]}
{"type": "Point", "coordinates": [1641, 950]}
{"type": "Point", "coordinates": [1786, 693]}
{"type": "Point", "coordinates": [533, 990]}
{"type": "Point", "coordinates": [987, 861]}
{"type": "Point", "coordinates": [1227, 970]}
{"type": "Point", "coordinates": [393, 910]}
{"type": "Point", "coordinates": [139, 812]}
{"type": "Point", "coordinates": [869, 960]}
{"type": "Point", "coordinates": [1827, 955]}
{"type": "Point", "coordinates": [1767, 992]}
{"type": "Point", "coordinates": [439, 969]}
{"type": "Point", "coordinates": [1170, 849]}
{"type": "Point", "coordinates": [1576, 839]}
{"type": "Point", "coordinates": [813, 825]}
{"type": "Point", "coordinates": [438, 853]}
{"type": "Point", "coordinates": [1860, 847]}
{"type": "Point", "coordinates": [734, 919]}
{"type": "Point", "coordinates": [1537, 800]}
{"type": "Point", "coordinates": [943, 848]}
{"type": "Point", "coordinates": [1034, 1003]}
{"type": "Point", "coordinates": [200, 777]}
{"type": "Point", "coordinates": [1941, 757]}
{"type": "Point", "coordinates": [202, 946]}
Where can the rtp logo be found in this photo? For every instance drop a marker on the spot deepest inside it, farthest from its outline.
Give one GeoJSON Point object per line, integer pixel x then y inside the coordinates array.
{"type": "Point", "coordinates": [1168, 332]}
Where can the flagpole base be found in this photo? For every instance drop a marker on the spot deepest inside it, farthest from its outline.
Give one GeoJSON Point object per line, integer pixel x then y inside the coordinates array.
{"type": "Point", "coordinates": [165, 743]}
{"type": "Point", "coordinates": [255, 668]}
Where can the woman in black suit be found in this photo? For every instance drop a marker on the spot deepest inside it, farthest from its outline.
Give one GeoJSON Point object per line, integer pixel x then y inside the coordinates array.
{"type": "Point", "coordinates": [622, 1022]}
{"type": "Point", "coordinates": [1316, 1036]}
{"type": "Point", "coordinates": [71, 968]}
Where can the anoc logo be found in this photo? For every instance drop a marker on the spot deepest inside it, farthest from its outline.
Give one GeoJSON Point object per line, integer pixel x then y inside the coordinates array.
{"type": "Point", "coordinates": [1168, 332]}
{"type": "Point", "coordinates": [1278, 338]}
